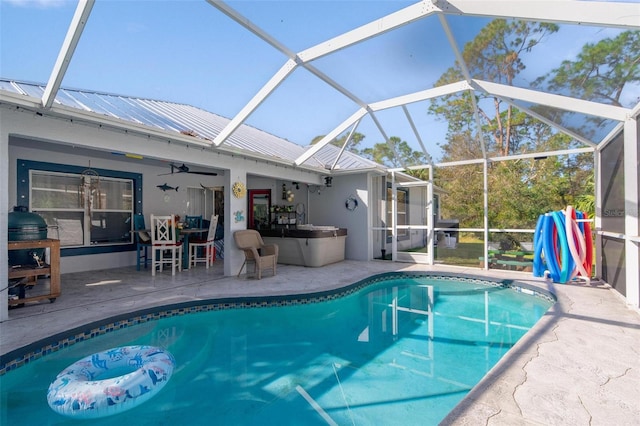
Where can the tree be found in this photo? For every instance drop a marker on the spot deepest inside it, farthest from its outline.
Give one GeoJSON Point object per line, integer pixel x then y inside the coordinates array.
{"type": "Point", "coordinates": [587, 202]}
{"type": "Point", "coordinates": [354, 142]}
{"type": "Point", "coordinates": [463, 185]}
{"type": "Point", "coordinates": [519, 191]}
{"type": "Point", "coordinates": [494, 55]}
{"type": "Point", "coordinates": [395, 153]}
{"type": "Point", "coordinates": [600, 71]}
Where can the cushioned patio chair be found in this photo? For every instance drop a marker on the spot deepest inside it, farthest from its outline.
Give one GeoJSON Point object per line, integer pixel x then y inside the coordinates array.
{"type": "Point", "coordinates": [256, 252]}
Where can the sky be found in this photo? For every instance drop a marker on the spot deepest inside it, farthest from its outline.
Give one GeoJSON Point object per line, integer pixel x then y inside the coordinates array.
{"type": "Point", "coordinates": [189, 52]}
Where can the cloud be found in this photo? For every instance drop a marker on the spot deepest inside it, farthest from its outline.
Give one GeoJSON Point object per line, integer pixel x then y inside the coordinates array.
{"type": "Point", "coordinates": [39, 4]}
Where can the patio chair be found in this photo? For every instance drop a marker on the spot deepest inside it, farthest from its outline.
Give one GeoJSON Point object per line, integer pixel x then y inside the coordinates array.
{"type": "Point", "coordinates": [165, 247]}
{"type": "Point", "coordinates": [193, 221]}
{"type": "Point", "coordinates": [207, 244]}
{"type": "Point", "coordinates": [218, 242]}
{"type": "Point", "coordinates": [143, 241]}
{"type": "Point", "coordinates": [256, 252]}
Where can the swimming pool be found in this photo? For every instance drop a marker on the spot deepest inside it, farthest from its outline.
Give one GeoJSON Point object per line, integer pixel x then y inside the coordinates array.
{"type": "Point", "coordinates": [396, 348]}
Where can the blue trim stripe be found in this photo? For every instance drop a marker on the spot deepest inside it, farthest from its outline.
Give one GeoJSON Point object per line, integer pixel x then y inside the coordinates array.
{"type": "Point", "coordinates": [19, 357]}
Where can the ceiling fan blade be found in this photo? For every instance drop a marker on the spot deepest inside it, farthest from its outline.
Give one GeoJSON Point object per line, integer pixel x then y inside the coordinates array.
{"type": "Point", "coordinates": [204, 173]}
{"type": "Point", "coordinates": [185, 169]}
{"type": "Point", "coordinates": [173, 170]}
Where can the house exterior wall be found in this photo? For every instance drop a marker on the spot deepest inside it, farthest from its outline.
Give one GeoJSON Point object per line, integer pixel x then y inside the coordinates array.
{"type": "Point", "coordinates": [61, 141]}
{"type": "Point", "coordinates": [39, 138]}
{"type": "Point", "coordinates": [328, 208]}
{"type": "Point", "coordinates": [154, 200]}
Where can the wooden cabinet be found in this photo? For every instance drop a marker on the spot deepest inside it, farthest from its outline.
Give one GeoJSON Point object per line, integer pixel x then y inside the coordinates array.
{"type": "Point", "coordinates": [52, 269]}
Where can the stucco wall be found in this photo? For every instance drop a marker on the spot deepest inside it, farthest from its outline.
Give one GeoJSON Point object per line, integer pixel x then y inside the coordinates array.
{"type": "Point", "coordinates": [154, 200]}
{"type": "Point", "coordinates": [328, 208]}
{"type": "Point", "coordinates": [63, 142]}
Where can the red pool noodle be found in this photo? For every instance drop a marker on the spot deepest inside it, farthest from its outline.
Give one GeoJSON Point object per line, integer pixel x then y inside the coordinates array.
{"type": "Point", "coordinates": [588, 262]}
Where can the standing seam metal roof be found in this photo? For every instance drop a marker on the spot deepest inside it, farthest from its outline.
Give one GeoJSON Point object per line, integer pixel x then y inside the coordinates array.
{"type": "Point", "coordinates": [190, 120]}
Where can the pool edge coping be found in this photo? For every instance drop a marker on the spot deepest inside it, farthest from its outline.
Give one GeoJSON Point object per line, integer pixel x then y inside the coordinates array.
{"type": "Point", "coordinates": [19, 357]}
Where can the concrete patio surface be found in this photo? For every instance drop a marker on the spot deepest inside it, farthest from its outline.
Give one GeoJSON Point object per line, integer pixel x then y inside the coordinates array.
{"type": "Point", "coordinates": [579, 365]}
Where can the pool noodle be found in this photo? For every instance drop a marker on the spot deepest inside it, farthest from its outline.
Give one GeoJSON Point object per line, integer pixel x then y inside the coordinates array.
{"type": "Point", "coordinates": [575, 236]}
{"type": "Point", "coordinates": [566, 261]}
{"type": "Point", "coordinates": [549, 247]}
{"type": "Point", "coordinates": [538, 263]}
{"type": "Point", "coordinates": [588, 263]}
{"type": "Point", "coordinates": [563, 245]}
{"type": "Point", "coordinates": [580, 215]}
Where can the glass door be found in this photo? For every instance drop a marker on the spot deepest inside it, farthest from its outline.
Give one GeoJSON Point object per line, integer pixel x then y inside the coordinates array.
{"type": "Point", "coordinates": [412, 229]}
{"type": "Point", "coordinates": [259, 208]}
{"type": "Point", "coordinates": [402, 229]}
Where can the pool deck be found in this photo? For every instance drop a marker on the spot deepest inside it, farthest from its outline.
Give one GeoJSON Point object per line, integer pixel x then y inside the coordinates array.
{"type": "Point", "coordinates": [579, 365]}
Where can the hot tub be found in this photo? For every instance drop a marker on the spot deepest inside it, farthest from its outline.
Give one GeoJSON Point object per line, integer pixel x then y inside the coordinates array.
{"type": "Point", "coordinates": [308, 245]}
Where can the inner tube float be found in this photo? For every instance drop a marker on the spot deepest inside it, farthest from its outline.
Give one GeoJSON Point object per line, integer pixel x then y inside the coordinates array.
{"type": "Point", "coordinates": [110, 382]}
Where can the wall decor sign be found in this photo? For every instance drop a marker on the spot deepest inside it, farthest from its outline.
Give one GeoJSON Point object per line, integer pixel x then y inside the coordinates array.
{"type": "Point", "coordinates": [239, 190]}
{"type": "Point", "coordinates": [352, 203]}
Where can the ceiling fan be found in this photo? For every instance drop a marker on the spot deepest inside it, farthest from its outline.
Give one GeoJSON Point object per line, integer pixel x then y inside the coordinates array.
{"type": "Point", "coordinates": [185, 169]}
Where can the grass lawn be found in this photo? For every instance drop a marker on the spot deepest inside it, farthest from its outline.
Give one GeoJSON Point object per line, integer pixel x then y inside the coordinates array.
{"type": "Point", "coordinates": [465, 254]}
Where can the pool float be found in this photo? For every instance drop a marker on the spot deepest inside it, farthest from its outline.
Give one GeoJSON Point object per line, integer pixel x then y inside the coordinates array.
{"type": "Point", "coordinates": [549, 247]}
{"type": "Point", "coordinates": [131, 376]}
{"type": "Point", "coordinates": [563, 245]}
{"type": "Point", "coordinates": [588, 263]}
{"type": "Point", "coordinates": [538, 262]}
{"type": "Point", "coordinates": [564, 260]}
{"type": "Point", "coordinates": [576, 243]}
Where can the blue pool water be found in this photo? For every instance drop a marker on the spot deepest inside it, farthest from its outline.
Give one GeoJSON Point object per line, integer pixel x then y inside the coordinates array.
{"type": "Point", "coordinates": [403, 350]}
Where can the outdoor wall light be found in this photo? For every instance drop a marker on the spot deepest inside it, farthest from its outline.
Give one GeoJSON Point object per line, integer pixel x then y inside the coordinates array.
{"type": "Point", "coordinates": [327, 181]}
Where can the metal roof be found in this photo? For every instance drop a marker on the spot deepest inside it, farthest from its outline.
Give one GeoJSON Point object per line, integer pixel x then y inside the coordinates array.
{"type": "Point", "coordinates": [191, 121]}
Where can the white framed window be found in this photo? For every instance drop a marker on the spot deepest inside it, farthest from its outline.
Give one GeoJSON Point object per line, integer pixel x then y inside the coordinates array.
{"type": "Point", "coordinates": [83, 209]}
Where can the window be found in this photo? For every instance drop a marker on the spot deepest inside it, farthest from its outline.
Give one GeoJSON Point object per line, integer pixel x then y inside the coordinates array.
{"type": "Point", "coordinates": [403, 211]}
{"type": "Point", "coordinates": [85, 209]}
{"type": "Point", "coordinates": [206, 201]}
{"type": "Point", "coordinates": [89, 210]}
{"type": "Point", "coordinates": [196, 202]}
